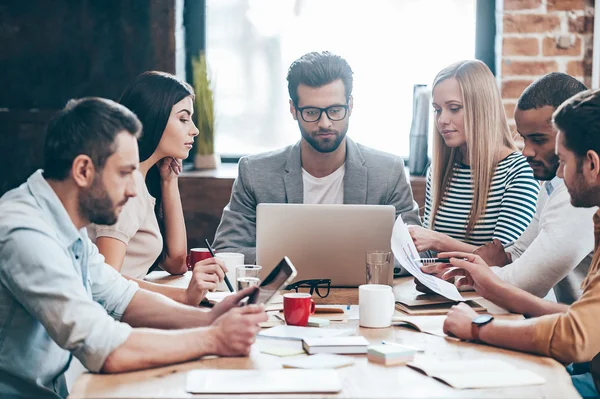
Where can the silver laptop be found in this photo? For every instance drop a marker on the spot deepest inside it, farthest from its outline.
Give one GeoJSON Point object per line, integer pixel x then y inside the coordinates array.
{"type": "Point", "coordinates": [322, 241]}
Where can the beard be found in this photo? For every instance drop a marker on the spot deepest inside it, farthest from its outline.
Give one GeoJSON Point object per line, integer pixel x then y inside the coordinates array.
{"type": "Point", "coordinates": [324, 145]}
{"type": "Point", "coordinates": [96, 206]}
{"type": "Point", "coordinates": [582, 196]}
{"type": "Point", "coordinates": [544, 170]}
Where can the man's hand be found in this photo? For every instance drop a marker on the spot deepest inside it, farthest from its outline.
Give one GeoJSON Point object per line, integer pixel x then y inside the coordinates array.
{"type": "Point", "coordinates": [493, 253]}
{"type": "Point", "coordinates": [231, 301]}
{"type": "Point", "coordinates": [205, 277]}
{"type": "Point", "coordinates": [473, 272]}
{"type": "Point", "coordinates": [458, 321]}
{"type": "Point", "coordinates": [426, 239]}
{"type": "Point", "coordinates": [436, 270]}
{"type": "Point", "coordinates": [235, 331]}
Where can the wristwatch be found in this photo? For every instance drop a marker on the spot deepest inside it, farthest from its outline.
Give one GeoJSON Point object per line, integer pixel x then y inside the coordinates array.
{"type": "Point", "coordinates": [479, 322]}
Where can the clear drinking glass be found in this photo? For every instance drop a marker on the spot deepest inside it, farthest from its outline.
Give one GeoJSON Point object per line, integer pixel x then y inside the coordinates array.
{"type": "Point", "coordinates": [247, 276]}
{"type": "Point", "coordinates": [380, 269]}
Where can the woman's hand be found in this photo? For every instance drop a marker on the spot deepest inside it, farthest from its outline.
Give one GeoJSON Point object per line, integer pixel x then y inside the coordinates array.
{"type": "Point", "coordinates": [426, 239]}
{"type": "Point", "coordinates": [169, 168]}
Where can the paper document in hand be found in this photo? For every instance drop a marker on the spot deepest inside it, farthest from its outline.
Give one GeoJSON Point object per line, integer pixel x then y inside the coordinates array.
{"type": "Point", "coordinates": [405, 252]}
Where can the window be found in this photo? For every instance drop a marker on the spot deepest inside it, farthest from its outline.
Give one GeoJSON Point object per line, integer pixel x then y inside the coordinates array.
{"type": "Point", "coordinates": [391, 45]}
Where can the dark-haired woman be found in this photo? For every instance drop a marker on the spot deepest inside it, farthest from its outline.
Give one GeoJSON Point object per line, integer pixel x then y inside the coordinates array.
{"type": "Point", "coordinates": [151, 228]}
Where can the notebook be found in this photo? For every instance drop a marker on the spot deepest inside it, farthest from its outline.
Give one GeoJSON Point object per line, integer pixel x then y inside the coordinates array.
{"type": "Point", "coordinates": [300, 333]}
{"type": "Point", "coordinates": [414, 303]}
{"type": "Point", "coordinates": [484, 373]}
{"type": "Point", "coordinates": [340, 345]}
{"type": "Point", "coordinates": [433, 325]}
{"type": "Point", "coordinates": [263, 381]}
{"type": "Point", "coordinates": [319, 361]}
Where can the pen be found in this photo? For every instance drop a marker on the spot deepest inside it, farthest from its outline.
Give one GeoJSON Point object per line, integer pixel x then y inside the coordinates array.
{"type": "Point", "coordinates": [212, 253]}
{"type": "Point", "coordinates": [402, 345]}
{"type": "Point", "coordinates": [434, 260]}
{"type": "Point", "coordinates": [348, 308]}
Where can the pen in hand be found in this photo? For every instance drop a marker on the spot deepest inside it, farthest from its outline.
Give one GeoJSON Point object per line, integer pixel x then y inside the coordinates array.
{"type": "Point", "coordinates": [212, 253]}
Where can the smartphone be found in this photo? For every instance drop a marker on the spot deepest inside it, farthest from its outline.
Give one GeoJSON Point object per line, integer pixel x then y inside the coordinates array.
{"type": "Point", "coordinates": [279, 278]}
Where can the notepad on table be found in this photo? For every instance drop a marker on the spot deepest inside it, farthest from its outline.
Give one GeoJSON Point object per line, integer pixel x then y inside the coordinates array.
{"type": "Point", "coordinates": [299, 333]}
{"type": "Point", "coordinates": [484, 373]}
{"type": "Point", "coordinates": [390, 354]}
{"type": "Point", "coordinates": [319, 361]}
{"type": "Point", "coordinates": [433, 325]}
{"type": "Point", "coordinates": [262, 381]}
{"type": "Point", "coordinates": [340, 345]}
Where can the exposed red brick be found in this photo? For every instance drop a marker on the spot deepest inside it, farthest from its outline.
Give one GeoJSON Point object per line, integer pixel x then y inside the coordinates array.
{"type": "Point", "coordinates": [509, 109]}
{"type": "Point", "coordinates": [520, 46]}
{"type": "Point", "coordinates": [535, 68]}
{"type": "Point", "coordinates": [514, 88]}
{"type": "Point", "coordinates": [579, 68]}
{"type": "Point", "coordinates": [521, 4]}
{"type": "Point", "coordinates": [565, 5]}
{"type": "Point", "coordinates": [530, 23]}
{"type": "Point", "coordinates": [582, 24]}
{"type": "Point", "coordinates": [550, 48]}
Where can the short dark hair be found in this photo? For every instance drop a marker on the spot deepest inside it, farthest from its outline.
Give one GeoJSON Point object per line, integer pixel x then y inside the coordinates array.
{"type": "Point", "coordinates": [316, 70]}
{"type": "Point", "coordinates": [552, 89]}
{"type": "Point", "coordinates": [578, 119]}
{"type": "Point", "coordinates": [85, 126]}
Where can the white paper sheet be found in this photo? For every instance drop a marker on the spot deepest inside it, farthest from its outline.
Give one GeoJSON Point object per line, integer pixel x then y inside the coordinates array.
{"type": "Point", "coordinates": [405, 252]}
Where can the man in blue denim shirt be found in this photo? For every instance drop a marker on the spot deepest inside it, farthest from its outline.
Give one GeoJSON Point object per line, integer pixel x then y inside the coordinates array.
{"type": "Point", "coordinates": [59, 299]}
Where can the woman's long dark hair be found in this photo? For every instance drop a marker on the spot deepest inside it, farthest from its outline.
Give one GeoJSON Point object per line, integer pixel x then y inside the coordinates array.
{"type": "Point", "coordinates": [151, 97]}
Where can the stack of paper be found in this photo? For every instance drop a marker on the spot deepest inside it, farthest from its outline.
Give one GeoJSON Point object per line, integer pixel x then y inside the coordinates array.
{"type": "Point", "coordinates": [390, 354]}
{"type": "Point", "coordinates": [405, 252]}
{"type": "Point", "coordinates": [340, 345]}
{"type": "Point", "coordinates": [487, 373]}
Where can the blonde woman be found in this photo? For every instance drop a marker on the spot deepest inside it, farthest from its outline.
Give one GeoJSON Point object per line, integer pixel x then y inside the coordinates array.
{"type": "Point", "coordinates": [479, 187]}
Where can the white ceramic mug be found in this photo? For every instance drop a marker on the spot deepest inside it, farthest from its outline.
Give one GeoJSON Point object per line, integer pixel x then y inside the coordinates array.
{"type": "Point", "coordinates": [231, 260]}
{"type": "Point", "coordinates": [376, 304]}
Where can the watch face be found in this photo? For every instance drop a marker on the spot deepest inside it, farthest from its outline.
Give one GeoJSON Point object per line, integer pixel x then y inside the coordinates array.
{"type": "Point", "coordinates": [482, 319]}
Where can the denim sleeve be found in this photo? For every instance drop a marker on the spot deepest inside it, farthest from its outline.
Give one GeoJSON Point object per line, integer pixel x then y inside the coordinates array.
{"type": "Point", "coordinates": [45, 282]}
{"type": "Point", "coordinates": [109, 288]}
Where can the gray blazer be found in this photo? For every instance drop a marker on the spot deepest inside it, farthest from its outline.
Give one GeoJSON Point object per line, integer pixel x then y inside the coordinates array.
{"type": "Point", "coordinates": [371, 177]}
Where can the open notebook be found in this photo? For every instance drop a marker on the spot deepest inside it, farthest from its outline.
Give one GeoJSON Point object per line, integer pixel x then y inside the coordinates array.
{"type": "Point", "coordinates": [484, 373]}
{"type": "Point", "coordinates": [263, 381]}
{"type": "Point", "coordinates": [433, 325]}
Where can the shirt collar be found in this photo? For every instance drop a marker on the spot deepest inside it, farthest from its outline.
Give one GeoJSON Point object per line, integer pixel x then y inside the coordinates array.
{"type": "Point", "coordinates": [53, 208]}
{"type": "Point", "coordinates": [553, 184]}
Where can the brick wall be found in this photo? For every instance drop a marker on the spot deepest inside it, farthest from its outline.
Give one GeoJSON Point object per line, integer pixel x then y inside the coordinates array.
{"type": "Point", "coordinates": [56, 50]}
{"type": "Point", "coordinates": [542, 36]}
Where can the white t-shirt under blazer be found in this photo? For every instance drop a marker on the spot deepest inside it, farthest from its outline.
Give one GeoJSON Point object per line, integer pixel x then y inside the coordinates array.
{"type": "Point", "coordinates": [324, 190]}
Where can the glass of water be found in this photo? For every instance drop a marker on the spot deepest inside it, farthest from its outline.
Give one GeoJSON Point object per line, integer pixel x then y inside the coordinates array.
{"type": "Point", "coordinates": [380, 269]}
{"type": "Point", "coordinates": [247, 276]}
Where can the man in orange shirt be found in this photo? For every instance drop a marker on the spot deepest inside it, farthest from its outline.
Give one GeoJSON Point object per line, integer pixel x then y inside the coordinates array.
{"type": "Point", "coordinates": [567, 333]}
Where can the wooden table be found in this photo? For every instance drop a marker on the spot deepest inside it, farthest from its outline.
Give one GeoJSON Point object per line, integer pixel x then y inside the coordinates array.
{"type": "Point", "coordinates": [363, 380]}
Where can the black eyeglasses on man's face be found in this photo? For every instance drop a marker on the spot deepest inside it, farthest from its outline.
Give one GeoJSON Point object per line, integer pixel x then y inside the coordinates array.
{"type": "Point", "coordinates": [313, 114]}
{"type": "Point", "coordinates": [321, 286]}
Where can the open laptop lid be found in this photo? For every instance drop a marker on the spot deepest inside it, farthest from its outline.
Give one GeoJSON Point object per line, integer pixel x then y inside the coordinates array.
{"type": "Point", "coordinates": [323, 241]}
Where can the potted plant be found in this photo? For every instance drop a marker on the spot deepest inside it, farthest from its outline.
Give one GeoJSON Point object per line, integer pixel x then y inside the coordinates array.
{"type": "Point", "coordinates": [205, 157]}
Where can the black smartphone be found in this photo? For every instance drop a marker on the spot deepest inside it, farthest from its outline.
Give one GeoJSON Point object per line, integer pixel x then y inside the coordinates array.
{"type": "Point", "coordinates": [280, 277]}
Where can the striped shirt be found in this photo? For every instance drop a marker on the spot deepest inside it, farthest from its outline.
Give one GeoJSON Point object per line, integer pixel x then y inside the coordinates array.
{"type": "Point", "coordinates": [510, 205]}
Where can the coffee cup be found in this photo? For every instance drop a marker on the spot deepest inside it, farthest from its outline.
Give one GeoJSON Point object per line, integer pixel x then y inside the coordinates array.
{"type": "Point", "coordinates": [297, 307]}
{"type": "Point", "coordinates": [231, 261]}
{"type": "Point", "coordinates": [196, 255]}
{"type": "Point", "coordinates": [376, 304]}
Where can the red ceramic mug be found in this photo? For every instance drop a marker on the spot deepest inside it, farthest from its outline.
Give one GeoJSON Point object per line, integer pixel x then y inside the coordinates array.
{"type": "Point", "coordinates": [297, 307]}
{"type": "Point", "coordinates": [196, 255]}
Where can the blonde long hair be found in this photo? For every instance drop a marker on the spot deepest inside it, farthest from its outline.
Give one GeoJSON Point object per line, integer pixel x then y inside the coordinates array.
{"type": "Point", "coordinates": [486, 131]}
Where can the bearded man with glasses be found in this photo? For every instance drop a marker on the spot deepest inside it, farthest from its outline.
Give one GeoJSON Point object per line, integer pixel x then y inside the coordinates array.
{"type": "Point", "coordinates": [324, 167]}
